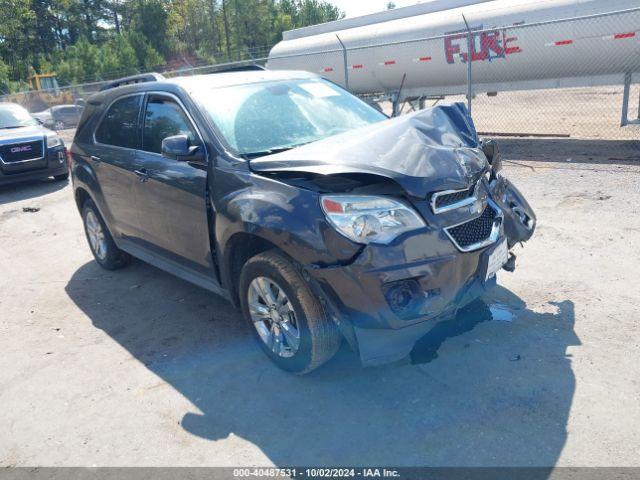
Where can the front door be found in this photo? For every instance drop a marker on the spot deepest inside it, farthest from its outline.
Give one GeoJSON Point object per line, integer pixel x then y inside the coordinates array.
{"type": "Point", "coordinates": [172, 194]}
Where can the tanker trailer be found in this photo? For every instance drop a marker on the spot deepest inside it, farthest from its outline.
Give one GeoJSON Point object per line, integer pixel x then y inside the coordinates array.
{"type": "Point", "coordinates": [423, 50]}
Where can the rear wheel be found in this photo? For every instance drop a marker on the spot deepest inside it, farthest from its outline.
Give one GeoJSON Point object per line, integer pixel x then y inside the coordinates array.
{"type": "Point", "coordinates": [104, 249]}
{"type": "Point", "coordinates": [285, 317]}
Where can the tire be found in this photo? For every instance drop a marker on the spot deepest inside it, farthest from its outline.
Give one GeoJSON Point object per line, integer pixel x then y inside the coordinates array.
{"type": "Point", "coordinates": [108, 256]}
{"type": "Point", "coordinates": [319, 338]}
{"type": "Point", "coordinates": [59, 125]}
{"type": "Point", "coordinates": [61, 177]}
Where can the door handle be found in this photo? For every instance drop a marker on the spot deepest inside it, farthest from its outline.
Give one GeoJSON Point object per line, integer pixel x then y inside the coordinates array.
{"type": "Point", "coordinates": [95, 159]}
{"type": "Point", "coordinates": [143, 174]}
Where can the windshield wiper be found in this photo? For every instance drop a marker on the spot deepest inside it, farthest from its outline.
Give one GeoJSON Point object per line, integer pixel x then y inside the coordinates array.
{"type": "Point", "coordinates": [272, 151]}
{"type": "Point", "coordinates": [12, 126]}
{"type": "Point", "coordinates": [263, 153]}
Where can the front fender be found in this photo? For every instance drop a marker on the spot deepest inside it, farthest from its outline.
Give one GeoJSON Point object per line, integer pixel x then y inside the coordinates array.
{"type": "Point", "coordinates": [286, 216]}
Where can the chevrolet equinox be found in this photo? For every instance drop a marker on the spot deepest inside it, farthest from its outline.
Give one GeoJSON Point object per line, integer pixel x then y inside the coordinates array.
{"type": "Point", "coordinates": [313, 212]}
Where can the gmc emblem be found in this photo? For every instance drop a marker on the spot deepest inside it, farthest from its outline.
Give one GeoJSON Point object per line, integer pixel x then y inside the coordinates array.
{"type": "Point", "coordinates": [24, 148]}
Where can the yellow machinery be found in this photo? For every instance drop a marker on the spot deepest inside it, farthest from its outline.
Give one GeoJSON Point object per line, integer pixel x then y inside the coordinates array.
{"type": "Point", "coordinates": [45, 92]}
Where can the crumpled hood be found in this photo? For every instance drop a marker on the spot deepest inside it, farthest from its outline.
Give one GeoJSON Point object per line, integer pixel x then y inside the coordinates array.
{"type": "Point", "coordinates": [16, 134]}
{"type": "Point", "coordinates": [430, 150]}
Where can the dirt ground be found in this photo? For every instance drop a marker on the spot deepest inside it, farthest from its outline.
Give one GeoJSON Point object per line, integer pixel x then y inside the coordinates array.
{"type": "Point", "coordinates": [137, 367]}
{"type": "Point", "coordinates": [585, 113]}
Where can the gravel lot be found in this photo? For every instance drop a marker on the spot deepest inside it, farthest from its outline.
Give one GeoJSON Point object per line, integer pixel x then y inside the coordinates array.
{"type": "Point", "coordinates": [137, 367]}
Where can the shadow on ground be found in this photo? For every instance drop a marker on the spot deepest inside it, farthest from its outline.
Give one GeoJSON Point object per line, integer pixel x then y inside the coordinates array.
{"type": "Point", "coordinates": [28, 190]}
{"type": "Point", "coordinates": [479, 392]}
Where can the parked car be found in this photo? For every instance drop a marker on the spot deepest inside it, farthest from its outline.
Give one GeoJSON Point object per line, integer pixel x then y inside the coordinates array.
{"type": "Point", "coordinates": [28, 151]}
{"type": "Point", "coordinates": [317, 215]}
{"type": "Point", "coordinates": [60, 117]}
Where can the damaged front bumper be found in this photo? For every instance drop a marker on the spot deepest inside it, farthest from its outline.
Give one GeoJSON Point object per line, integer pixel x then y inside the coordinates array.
{"type": "Point", "coordinates": [392, 295]}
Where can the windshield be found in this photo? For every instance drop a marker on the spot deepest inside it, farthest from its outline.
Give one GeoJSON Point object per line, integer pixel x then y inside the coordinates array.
{"type": "Point", "coordinates": [48, 83]}
{"type": "Point", "coordinates": [263, 118]}
{"type": "Point", "coordinates": [13, 116]}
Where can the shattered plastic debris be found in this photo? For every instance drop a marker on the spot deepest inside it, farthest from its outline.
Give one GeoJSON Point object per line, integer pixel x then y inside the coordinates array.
{"type": "Point", "coordinates": [500, 313]}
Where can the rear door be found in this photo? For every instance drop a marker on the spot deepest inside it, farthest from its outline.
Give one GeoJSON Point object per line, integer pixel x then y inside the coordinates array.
{"type": "Point", "coordinates": [172, 200]}
{"type": "Point", "coordinates": [112, 159]}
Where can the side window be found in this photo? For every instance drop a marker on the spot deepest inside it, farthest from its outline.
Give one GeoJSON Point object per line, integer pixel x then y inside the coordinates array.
{"type": "Point", "coordinates": [164, 118]}
{"type": "Point", "coordinates": [119, 126]}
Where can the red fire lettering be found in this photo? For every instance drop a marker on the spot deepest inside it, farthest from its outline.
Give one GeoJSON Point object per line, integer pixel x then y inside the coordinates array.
{"type": "Point", "coordinates": [491, 43]}
{"type": "Point", "coordinates": [451, 49]}
{"type": "Point", "coordinates": [510, 49]}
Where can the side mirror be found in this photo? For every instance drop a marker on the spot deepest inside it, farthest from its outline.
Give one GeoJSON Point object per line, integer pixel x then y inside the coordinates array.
{"type": "Point", "coordinates": [178, 147]}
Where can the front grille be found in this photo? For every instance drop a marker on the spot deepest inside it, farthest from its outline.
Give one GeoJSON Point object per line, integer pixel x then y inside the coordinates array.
{"type": "Point", "coordinates": [18, 152]}
{"type": "Point", "coordinates": [445, 200]}
{"type": "Point", "coordinates": [474, 231]}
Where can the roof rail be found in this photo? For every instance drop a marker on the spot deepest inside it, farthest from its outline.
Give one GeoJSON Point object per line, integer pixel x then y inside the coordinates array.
{"type": "Point", "coordinates": [239, 68]}
{"type": "Point", "coordinates": [133, 79]}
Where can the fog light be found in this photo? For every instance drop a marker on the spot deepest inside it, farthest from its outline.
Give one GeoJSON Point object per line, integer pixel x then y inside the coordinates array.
{"type": "Point", "coordinates": [404, 298]}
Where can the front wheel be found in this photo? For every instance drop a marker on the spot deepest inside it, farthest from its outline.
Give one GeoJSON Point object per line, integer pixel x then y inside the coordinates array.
{"type": "Point", "coordinates": [59, 125]}
{"type": "Point", "coordinates": [285, 317]}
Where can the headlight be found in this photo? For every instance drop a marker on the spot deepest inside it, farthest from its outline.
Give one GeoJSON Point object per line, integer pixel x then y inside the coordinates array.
{"type": "Point", "coordinates": [53, 141]}
{"type": "Point", "coordinates": [366, 219]}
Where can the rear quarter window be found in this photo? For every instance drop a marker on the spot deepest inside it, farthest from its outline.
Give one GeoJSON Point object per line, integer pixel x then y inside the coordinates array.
{"type": "Point", "coordinates": [89, 116]}
{"type": "Point", "coordinates": [119, 126]}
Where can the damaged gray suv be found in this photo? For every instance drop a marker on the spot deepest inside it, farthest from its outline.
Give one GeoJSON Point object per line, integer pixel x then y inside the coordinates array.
{"type": "Point", "coordinates": [318, 216]}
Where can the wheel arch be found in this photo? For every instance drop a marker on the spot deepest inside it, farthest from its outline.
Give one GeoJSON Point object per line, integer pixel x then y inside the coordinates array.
{"type": "Point", "coordinates": [240, 247]}
{"type": "Point", "coordinates": [81, 195]}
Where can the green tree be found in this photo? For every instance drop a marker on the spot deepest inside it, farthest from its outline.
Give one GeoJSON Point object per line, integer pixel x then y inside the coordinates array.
{"type": "Point", "coordinates": [86, 40]}
{"type": "Point", "coordinates": [16, 37]}
{"type": "Point", "coordinates": [149, 17]}
{"type": "Point", "coordinates": [118, 58]}
{"type": "Point", "coordinates": [5, 86]}
{"type": "Point", "coordinates": [81, 62]}
{"type": "Point", "coordinates": [147, 57]}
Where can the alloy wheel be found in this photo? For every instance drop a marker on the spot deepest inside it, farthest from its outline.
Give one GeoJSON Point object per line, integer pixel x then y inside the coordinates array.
{"type": "Point", "coordinates": [273, 317]}
{"type": "Point", "coordinates": [96, 236]}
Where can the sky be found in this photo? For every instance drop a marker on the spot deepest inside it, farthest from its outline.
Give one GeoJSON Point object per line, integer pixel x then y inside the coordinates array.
{"type": "Point", "coordinates": [355, 8]}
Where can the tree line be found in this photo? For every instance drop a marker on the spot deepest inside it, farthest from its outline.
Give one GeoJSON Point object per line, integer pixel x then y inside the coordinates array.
{"type": "Point", "coordinates": [93, 40]}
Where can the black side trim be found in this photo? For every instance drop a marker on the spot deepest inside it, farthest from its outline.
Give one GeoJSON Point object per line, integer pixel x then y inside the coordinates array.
{"type": "Point", "coordinates": [173, 268]}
